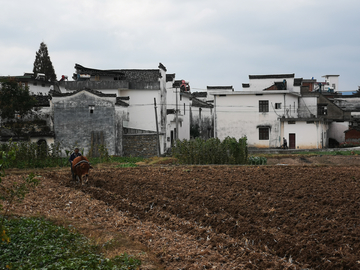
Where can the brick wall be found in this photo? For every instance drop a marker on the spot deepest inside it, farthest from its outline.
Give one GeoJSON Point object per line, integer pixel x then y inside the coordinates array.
{"type": "Point", "coordinates": [140, 145]}
{"type": "Point", "coordinates": [352, 135]}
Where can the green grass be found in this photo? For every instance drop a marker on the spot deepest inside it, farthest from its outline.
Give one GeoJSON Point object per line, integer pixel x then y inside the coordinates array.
{"type": "Point", "coordinates": [329, 153]}
{"type": "Point", "coordinates": [36, 243]}
{"type": "Point", "coordinates": [116, 159]}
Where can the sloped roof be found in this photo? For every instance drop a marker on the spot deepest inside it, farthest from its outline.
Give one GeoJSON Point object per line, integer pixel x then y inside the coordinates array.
{"type": "Point", "coordinates": [120, 102]}
{"type": "Point", "coordinates": [201, 104]}
{"type": "Point", "coordinates": [272, 76]}
{"type": "Point", "coordinates": [97, 93]}
{"type": "Point", "coordinates": [144, 75]}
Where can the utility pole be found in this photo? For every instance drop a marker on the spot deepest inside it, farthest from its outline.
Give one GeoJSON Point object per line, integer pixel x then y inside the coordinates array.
{"type": "Point", "coordinates": [176, 117]}
{"type": "Point", "coordinates": [157, 129]}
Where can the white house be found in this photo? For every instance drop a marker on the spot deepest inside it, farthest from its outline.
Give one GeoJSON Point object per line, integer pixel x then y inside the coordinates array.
{"type": "Point", "coordinates": [178, 110]}
{"type": "Point", "coordinates": [272, 107]}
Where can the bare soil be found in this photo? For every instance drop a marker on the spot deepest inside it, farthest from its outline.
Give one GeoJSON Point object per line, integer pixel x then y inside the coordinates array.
{"type": "Point", "coordinates": [296, 213]}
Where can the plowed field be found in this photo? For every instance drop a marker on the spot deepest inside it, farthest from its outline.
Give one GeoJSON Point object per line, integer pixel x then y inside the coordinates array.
{"type": "Point", "coordinates": [220, 217]}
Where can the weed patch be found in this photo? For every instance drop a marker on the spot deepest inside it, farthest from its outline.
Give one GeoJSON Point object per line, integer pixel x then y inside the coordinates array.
{"type": "Point", "coordinates": [36, 243]}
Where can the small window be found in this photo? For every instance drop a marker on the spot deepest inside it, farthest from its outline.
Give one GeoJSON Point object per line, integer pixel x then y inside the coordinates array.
{"type": "Point", "coordinates": [322, 110]}
{"type": "Point", "coordinates": [263, 106]}
{"type": "Point", "coordinates": [264, 133]}
{"type": "Point", "coordinates": [291, 122]}
{"type": "Point", "coordinates": [309, 122]}
{"type": "Point", "coordinates": [277, 106]}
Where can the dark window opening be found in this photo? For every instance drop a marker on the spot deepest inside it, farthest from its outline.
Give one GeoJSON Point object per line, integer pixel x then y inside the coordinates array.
{"type": "Point", "coordinates": [263, 106]}
{"type": "Point", "coordinates": [277, 106]}
{"type": "Point", "coordinates": [322, 109]}
{"type": "Point", "coordinates": [264, 133]}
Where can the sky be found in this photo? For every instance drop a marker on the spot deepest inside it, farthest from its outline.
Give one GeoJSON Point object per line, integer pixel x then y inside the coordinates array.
{"type": "Point", "coordinates": [205, 42]}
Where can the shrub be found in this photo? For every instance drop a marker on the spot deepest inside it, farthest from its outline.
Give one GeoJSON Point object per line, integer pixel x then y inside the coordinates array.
{"type": "Point", "coordinates": [211, 151]}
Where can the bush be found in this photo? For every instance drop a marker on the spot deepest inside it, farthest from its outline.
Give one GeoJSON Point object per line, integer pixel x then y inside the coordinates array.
{"type": "Point", "coordinates": [211, 151]}
{"type": "Point", "coordinates": [30, 155]}
{"type": "Point", "coordinates": [257, 160]}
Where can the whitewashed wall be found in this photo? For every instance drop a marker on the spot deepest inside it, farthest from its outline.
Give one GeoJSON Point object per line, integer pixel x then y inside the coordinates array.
{"type": "Point", "coordinates": [261, 84]}
{"type": "Point", "coordinates": [238, 115]}
{"type": "Point", "coordinates": [307, 135]}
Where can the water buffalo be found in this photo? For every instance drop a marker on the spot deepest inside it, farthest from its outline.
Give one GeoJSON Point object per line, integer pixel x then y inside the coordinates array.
{"type": "Point", "coordinates": [80, 167]}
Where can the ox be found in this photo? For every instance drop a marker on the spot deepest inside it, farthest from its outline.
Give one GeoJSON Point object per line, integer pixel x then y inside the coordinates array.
{"type": "Point", "coordinates": [80, 167]}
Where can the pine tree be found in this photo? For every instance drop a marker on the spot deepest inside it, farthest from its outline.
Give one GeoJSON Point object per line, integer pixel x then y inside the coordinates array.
{"type": "Point", "coordinates": [43, 64]}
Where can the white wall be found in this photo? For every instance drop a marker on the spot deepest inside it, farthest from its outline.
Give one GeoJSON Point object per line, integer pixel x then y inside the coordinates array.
{"type": "Point", "coordinates": [261, 84]}
{"type": "Point", "coordinates": [238, 115]}
{"type": "Point", "coordinates": [183, 116]}
{"type": "Point", "coordinates": [141, 108]}
{"type": "Point", "coordinates": [307, 135]}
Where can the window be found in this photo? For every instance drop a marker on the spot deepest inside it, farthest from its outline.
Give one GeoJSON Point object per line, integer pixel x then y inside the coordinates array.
{"type": "Point", "coordinates": [263, 105]}
{"type": "Point", "coordinates": [277, 106]}
{"type": "Point", "coordinates": [291, 122]}
{"type": "Point", "coordinates": [263, 133]}
{"type": "Point", "coordinates": [322, 110]}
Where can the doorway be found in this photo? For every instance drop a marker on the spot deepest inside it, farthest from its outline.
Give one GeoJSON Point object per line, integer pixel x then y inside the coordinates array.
{"type": "Point", "coordinates": [292, 142]}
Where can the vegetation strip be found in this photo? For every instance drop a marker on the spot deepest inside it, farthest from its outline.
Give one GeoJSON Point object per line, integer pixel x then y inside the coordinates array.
{"type": "Point", "coordinates": [36, 243]}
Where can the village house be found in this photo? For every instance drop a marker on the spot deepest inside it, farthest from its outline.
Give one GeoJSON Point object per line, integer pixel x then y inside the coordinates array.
{"type": "Point", "coordinates": [273, 107]}
{"type": "Point", "coordinates": [38, 126]}
{"type": "Point", "coordinates": [90, 120]}
{"type": "Point", "coordinates": [151, 96]}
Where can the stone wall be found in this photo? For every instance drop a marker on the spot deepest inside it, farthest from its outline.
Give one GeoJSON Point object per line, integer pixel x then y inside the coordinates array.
{"type": "Point", "coordinates": [140, 145]}
{"type": "Point", "coordinates": [76, 125]}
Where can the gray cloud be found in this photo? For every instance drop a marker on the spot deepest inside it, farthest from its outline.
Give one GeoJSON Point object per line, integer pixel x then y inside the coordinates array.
{"type": "Point", "coordinates": [205, 42]}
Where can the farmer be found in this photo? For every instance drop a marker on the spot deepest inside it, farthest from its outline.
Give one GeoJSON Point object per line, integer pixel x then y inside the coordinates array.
{"type": "Point", "coordinates": [285, 143]}
{"type": "Point", "coordinates": [74, 155]}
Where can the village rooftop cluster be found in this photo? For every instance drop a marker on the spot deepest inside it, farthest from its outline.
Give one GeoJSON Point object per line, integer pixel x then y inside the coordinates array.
{"type": "Point", "coordinates": [142, 112]}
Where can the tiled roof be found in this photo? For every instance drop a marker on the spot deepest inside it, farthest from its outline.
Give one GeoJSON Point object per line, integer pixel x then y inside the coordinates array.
{"type": "Point", "coordinates": [144, 75]}
{"type": "Point", "coordinates": [201, 104]}
{"type": "Point", "coordinates": [170, 77]}
{"type": "Point", "coordinates": [199, 94]}
{"type": "Point", "coordinates": [98, 93]}
{"type": "Point", "coordinates": [120, 102]}
{"type": "Point", "coordinates": [272, 76]}
{"type": "Point", "coordinates": [227, 87]}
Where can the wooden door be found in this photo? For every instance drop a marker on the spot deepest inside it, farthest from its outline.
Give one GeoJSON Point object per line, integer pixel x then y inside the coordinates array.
{"type": "Point", "coordinates": [292, 144]}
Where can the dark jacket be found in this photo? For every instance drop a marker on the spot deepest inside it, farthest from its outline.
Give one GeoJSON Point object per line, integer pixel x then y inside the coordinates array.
{"type": "Point", "coordinates": [73, 156]}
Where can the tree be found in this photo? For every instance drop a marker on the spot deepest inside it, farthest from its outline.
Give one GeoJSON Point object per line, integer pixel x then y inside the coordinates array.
{"type": "Point", "coordinates": [15, 99]}
{"type": "Point", "coordinates": [43, 64]}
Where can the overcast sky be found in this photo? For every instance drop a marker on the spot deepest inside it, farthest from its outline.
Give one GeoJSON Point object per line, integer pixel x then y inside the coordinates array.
{"type": "Point", "coordinates": [205, 42]}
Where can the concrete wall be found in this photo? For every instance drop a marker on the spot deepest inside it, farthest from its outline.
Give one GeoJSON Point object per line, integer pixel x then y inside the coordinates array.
{"type": "Point", "coordinates": [337, 130]}
{"type": "Point", "coordinates": [307, 106]}
{"type": "Point", "coordinates": [74, 124]}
